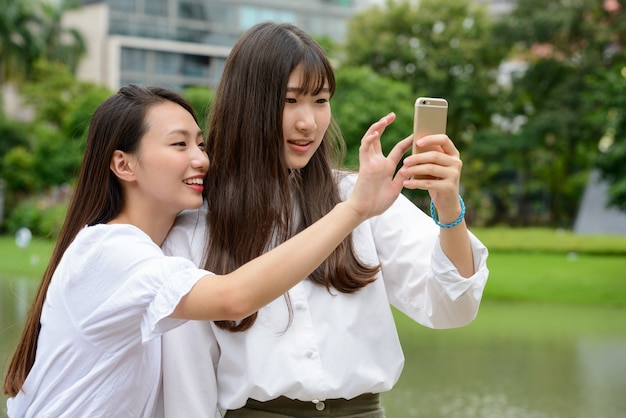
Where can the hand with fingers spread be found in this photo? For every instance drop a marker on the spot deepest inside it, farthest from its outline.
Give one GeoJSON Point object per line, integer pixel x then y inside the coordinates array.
{"type": "Point", "coordinates": [377, 188]}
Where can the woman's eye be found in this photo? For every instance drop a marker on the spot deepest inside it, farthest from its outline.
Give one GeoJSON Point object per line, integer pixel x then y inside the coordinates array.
{"type": "Point", "coordinates": [290, 100]}
{"type": "Point", "coordinates": [322, 100]}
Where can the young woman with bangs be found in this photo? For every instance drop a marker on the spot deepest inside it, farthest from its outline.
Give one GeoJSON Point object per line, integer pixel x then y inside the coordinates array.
{"type": "Point", "coordinates": [329, 347]}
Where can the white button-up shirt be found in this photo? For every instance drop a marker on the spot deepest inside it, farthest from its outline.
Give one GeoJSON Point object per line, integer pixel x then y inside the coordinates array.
{"type": "Point", "coordinates": [337, 345]}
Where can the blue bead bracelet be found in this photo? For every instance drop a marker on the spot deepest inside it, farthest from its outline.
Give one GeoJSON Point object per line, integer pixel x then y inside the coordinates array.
{"type": "Point", "coordinates": [455, 223]}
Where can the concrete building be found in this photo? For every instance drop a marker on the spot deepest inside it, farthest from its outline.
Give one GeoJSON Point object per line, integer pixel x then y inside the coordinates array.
{"type": "Point", "coordinates": [180, 43]}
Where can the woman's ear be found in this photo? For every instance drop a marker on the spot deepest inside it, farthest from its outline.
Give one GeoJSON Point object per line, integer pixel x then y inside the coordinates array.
{"type": "Point", "coordinates": [121, 167]}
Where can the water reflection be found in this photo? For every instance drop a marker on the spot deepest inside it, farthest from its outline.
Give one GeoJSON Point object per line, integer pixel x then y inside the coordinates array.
{"type": "Point", "coordinates": [514, 361]}
{"type": "Point", "coordinates": [517, 360]}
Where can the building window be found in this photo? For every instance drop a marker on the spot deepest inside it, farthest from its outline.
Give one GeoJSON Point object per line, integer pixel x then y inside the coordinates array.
{"type": "Point", "coordinates": [123, 5]}
{"type": "Point", "coordinates": [133, 59]}
{"type": "Point", "coordinates": [168, 63]}
{"type": "Point", "coordinates": [192, 35]}
{"type": "Point", "coordinates": [250, 16]}
{"type": "Point", "coordinates": [156, 7]}
{"type": "Point", "coordinates": [220, 13]}
{"type": "Point", "coordinates": [192, 10]}
{"type": "Point", "coordinates": [196, 65]}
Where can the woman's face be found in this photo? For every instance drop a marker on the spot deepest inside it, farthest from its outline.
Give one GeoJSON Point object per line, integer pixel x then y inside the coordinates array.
{"type": "Point", "coordinates": [171, 160]}
{"type": "Point", "coordinates": [305, 120]}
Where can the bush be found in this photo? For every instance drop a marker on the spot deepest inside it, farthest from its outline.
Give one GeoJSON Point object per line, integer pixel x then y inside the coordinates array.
{"type": "Point", "coordinates": [25, 214]}
{"type": "Point", "coordinates": [42, 215]}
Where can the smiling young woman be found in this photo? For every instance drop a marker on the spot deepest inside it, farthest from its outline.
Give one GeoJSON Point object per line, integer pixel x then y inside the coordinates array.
{"type": "Point", "coordinates": [91, 345]}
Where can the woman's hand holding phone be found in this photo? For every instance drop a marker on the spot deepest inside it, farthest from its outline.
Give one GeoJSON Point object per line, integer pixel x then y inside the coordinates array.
{"type": "Point", "coordinates": [435, 163]}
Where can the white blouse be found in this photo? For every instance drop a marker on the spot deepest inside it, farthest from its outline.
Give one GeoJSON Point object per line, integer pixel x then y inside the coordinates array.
{"type": "Point", "coordinates": [337, 345]}
{"type": "Point", "coordinates": [99, 349]}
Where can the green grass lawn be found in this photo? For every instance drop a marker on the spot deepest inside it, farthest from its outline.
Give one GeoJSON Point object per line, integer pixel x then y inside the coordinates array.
{"type": "Point", "coordinates": [545, 240]}
{"type": "Point", "coordinates": [546, 265]}
{"type": "Point", "coordinates": [534, 265]}
{"type": "Point", "coordinates": [554, 277]}
{"type": "Point", "coordinates": [30, 261]}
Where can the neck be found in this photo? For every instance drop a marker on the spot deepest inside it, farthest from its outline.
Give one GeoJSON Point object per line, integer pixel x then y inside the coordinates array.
{"type": "Point", "coordinates": [155, 225]}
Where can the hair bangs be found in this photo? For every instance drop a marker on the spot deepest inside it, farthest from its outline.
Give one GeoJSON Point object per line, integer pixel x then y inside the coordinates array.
{"type": "Point", "coordinates": [316, 75]}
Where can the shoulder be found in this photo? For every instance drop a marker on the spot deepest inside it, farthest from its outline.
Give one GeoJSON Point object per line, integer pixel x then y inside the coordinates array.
{"type": "Point", "coordinates": [187, 236]}
{"type": "Point", "coordinates": [116, 243]}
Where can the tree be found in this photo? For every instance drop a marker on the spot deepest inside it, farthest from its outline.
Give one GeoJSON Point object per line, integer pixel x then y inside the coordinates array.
{"type": "Point", "coordinates": [59, 43]}
{"type": "Point", "coordinates": [564, 44]}
{"type": "Point", "coordinates": [363, 97]}
{"type": "Point", "coordinates": [18, 44]}
{"type": "Point", "coordinates": [15, 162]}
{"type": "Point", "coordinates": [31, 30]}
{"type": "Point", "coordinates": [201, 99]}
{"type": "Point", "coordinates": [440, 49]}
{"type": "Point", "coordinates": [435, 49]}
{"type": "Point", "coordinates": [55, 138]}
{"type": "Point", "coordinates": [53, 91]}
{"type": "Point", "coordinates": [608, 88]}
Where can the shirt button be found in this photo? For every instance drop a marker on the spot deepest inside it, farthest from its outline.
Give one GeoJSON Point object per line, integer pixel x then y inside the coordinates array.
{"type": "Point", "coordinates": [319, 405]}
{"type": "Point", "coordinates": [299, 306]}
{"type": "Point", "coordinates": [310, 354]}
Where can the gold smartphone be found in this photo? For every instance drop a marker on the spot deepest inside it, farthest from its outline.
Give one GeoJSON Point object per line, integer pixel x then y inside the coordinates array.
{"type": "Point", "coordinates": [430, 118]}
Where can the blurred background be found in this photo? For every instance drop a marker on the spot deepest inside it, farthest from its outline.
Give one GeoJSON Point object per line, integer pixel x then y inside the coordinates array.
{"type": "Point", "coordinates": [537, 108]}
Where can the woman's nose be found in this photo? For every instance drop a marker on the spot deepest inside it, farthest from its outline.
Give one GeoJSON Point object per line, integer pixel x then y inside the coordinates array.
{"type": "Point", "coordinates": [200, 160]}
{"type": "Point", "coordinates": [306, 120]}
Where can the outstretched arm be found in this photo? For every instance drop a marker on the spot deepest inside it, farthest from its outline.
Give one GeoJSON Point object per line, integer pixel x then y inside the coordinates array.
{"type": "Point", "coordinates": [238, 294]}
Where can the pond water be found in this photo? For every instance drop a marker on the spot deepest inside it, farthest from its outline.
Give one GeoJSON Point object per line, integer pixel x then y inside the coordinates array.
{"type": "Point", "coordinates": [514, 361]}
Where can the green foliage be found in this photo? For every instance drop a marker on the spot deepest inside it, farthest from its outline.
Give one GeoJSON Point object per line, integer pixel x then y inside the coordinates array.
{"type": "Point", "coordinates": [47, 152]}
{"type": "Point", "coordinates": [56, 157]}
{"type": "Point", "coordinates": [201, 99]}
{"type": "Point", "coordinates": [53, 92]}
{"type": "Point", "coordinates": [561, 103]}
{"type": "Point", "coordinates": [13, 134]}
{"type": "Point", "coordinates": [18, 42]}
{"type": "Point", "coordinates": [332, 49]}
{"type": "Point", "coordinates": [52, 219]}
{"type": "Point", "coordinates": [31, 30]}
{"type": "Point", "coordinates": [364, 97]}
{"type": "Point", "coordinates": [75, 122]}
{"type": "Point", "coordinates": [44, 218]}
{"type": "Point", "coordinates": [59, 44]}
{"type": "Point", "coordinates": [440, 49]}
{"type": "Point", "coordinates": [611, 160]}
{"type": "Point", "coordinates": [18, 171]}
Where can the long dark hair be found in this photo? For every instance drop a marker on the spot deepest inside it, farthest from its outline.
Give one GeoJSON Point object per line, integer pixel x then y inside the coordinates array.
{"type": "Point", "coordinates": [117, 124]}
{"type": "Point", "coordinates": [250, 188]}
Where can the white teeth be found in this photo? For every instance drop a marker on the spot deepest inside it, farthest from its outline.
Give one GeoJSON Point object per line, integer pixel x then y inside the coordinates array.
{"type": "Point", "coordinates": [198, 181]}
{"type": "Point", "coordinates": [300, 142]}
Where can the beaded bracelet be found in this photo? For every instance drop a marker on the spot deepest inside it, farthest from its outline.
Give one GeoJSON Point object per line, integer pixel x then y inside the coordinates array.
{"type": "Point", "coordinates": [455, 223]}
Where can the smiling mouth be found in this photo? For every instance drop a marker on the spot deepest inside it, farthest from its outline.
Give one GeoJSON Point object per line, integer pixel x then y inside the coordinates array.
{"type": "Point", "coordinates": [300, 143]}
{"type": "Point", "coordinates": [195, 182]}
